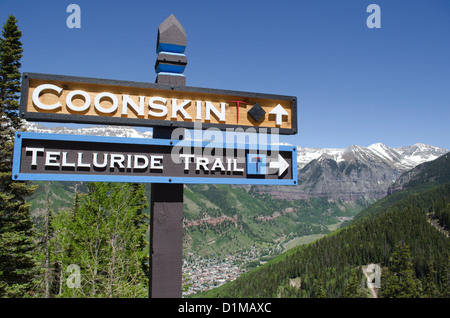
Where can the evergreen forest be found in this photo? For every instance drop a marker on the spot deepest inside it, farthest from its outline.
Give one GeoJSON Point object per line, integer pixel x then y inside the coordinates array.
{"type": "Point", "coordinates": [408, 240]}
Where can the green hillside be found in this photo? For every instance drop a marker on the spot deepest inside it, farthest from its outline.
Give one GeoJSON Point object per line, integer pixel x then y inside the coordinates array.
{"type": "Point", "coordinates": [235, 219]}
{"type": "Point", "coordinates": [229, 218]}
{"type": "Point", "coordinates": [412, 224]}
{"type": "Point", "coordinates": [333, 260]}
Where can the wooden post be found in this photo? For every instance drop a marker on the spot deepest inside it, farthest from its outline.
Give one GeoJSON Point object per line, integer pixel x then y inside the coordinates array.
{"type": "Point", "coordinates": [166, 218]}
{"type": "Point", "coordinates": [166, 240]}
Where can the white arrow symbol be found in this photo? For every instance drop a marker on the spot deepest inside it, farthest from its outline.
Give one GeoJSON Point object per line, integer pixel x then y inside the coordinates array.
{"type": "Point", "coordinates": [279, 111]}
{"type": "Point", "coordinates": [281, 165]}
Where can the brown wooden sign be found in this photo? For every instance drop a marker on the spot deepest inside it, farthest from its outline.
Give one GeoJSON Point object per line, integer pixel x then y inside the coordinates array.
{"type": "Point", "coordinates": [98, 101]}
{"type": "Point", "coordinates": [57, 157]}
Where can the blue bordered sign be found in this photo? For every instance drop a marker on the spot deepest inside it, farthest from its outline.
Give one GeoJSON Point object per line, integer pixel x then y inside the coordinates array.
{"type": "Point", "coordinates": [59, 157]}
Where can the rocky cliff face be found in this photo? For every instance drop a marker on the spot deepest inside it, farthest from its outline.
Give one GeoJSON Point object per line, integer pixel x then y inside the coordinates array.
{"type": "Point", "coordinates": [430, 172]}
{"type": "Point", "coordinates": [346, 180]}
{"type": "Point", "coordinates": [352, 173]}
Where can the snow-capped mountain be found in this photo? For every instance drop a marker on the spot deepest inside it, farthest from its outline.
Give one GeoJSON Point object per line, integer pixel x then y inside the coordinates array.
{"type": "Point", "coordinates": [358, 172]}
{"type": "Point", "coordinates": [420, 153]}
{"type": "Point", "coordinates": [112, 131]}
{"type": "Point", "coordinates": [346, 174]}
{"type": "Point", "coordinates": [305, 155]}
{"type": "Point", "coordinates": [352, 173]}
{"type": "Point", "coordinates": [402, 158]}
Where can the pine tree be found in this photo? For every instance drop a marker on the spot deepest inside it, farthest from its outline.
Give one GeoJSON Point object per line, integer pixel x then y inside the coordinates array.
{"type": "Point", "coordinates": [16, 226]}
{"type": "Point", "coordinates": [399, 280]}
{"type": "Point", "coordinates": [445, 290]}
{"type": "Point", "coordinates": [10, 55]}
{"type": "Point", "coordinates": [354, 287]}
{"type": "Point", "coordinates": [430, 289]}
{"type": "Point", "coordinates": [320, 290]}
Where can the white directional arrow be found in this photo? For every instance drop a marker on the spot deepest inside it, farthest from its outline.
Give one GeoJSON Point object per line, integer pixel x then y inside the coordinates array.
{"type": "Point", "coordinates": [281, 165]}
{"type": "Point", "coordinates": [279, 111]}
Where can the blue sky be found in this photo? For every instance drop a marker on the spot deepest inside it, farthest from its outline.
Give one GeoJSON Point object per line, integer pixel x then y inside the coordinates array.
{"type": "Point", "coordinates": [355, 85]}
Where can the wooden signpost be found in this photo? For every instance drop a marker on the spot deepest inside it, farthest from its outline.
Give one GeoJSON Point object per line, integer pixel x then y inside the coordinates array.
{"type": "Point", "coordinates": [58, 98]}
{"type": "Point", "coordinates": [164, 162]}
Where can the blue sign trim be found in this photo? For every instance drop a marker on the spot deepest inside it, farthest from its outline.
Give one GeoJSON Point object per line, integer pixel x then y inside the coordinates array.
{"type": "Point", "coordinates": [170, 48]}
{"type": "Point", "coordinates": [20, 136]}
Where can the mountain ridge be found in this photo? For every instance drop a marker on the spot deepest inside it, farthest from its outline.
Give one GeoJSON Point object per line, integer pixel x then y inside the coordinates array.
{"type": "Point", "coordinates": [356, 172]}
{"type": "Point", "coordinates": [348, 174]}
{"type": "Point", "coordinates": [113, 131]}
{"type": "Point", "coordinates": [430, 171]}
{"type": "Point", "coordinates": [407, 156]}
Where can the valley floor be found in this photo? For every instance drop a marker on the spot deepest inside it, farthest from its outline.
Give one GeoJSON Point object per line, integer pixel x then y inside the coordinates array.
{"type": "Point", "coordinates": [205, 273]}
{"type": "Point", "coordinates": [303, 240]}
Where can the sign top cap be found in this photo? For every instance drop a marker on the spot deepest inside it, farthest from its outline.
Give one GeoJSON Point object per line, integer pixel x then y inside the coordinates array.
{"type": "Point", "coordinates": [171, 32]}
